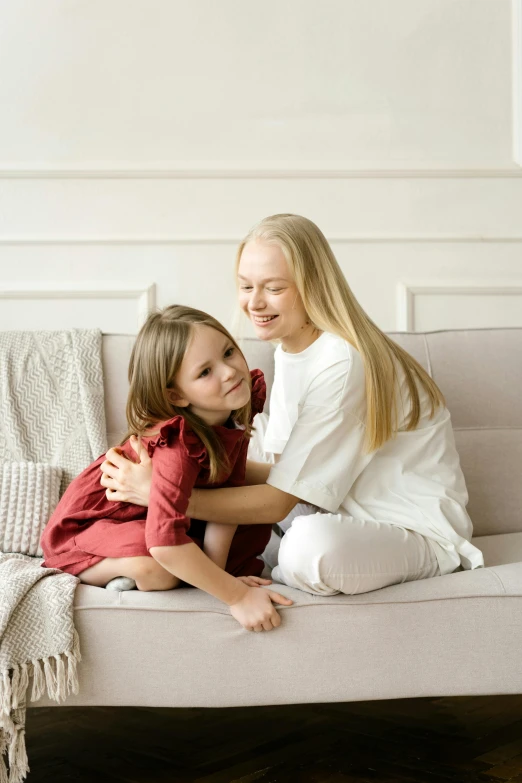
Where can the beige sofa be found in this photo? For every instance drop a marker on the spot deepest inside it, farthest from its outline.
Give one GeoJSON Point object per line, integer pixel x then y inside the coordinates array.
{"type": "Point", "coordinates": [458, 634]}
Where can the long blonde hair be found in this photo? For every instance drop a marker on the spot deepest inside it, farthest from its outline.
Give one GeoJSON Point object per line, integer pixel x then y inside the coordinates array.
{"type": "Point", "coordinates": [155, 360]}
{"type": "Point", "coordinates": [332, 307]}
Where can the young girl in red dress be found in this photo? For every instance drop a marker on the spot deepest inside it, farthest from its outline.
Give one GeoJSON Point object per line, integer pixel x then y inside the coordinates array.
{"type": "Point", "coordinates": [191, 405]}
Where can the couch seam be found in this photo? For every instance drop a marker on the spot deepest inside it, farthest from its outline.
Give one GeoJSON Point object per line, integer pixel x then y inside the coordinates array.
{"type": "Point", "coordinates": [499, 580]}
{"type": "Point", "coordinates": [462, 329]}
{"type": "Point", "coordinates": [304, 606]}
{"type": "Point", "coordinates": [495, 427]}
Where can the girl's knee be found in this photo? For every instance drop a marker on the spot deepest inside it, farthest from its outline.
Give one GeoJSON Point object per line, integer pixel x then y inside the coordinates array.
{"type": "Point", "coordinates": [150, 575]}
{"type": "Point", "coordinates": [150, 587]}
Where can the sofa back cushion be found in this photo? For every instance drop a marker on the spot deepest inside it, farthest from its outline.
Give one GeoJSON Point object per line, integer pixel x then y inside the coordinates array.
{"type": "Point", "coordinates": [478, 370]}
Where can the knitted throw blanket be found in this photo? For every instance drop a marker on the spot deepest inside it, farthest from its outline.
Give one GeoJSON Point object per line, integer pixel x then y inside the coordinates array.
{"type": "Point", "coordinates": [51, 398]}
{"type": "Point", "coordinates": [38, 639]}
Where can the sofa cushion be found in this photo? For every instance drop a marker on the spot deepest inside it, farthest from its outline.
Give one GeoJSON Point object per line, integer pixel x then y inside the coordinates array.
{"type": "Point", "coordinates": [182, 648]}
{"type": "Point", "coordinates": [500, 549]}
{"type": "Point", "coordinates": [116, 351]}
{"type": "Point", "coordinates": [491, 460]}
{"type": "Point", "coordinates": [480, 374]}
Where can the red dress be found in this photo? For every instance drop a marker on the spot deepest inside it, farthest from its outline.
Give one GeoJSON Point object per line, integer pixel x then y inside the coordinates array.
{"type": "Point", "coordinates": [85, 527]}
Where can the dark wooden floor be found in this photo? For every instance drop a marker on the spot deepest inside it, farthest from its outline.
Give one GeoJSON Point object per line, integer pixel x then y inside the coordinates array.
{"type": "Point", "coordinates": [430, 739]}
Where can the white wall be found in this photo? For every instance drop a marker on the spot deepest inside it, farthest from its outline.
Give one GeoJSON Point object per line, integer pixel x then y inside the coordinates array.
{"type": "Point", "coordinates": [140, 139]}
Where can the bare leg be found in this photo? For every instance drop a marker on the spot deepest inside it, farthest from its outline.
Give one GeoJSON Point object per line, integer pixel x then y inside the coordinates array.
{"type": "Point", "coordinates": [147, 572]}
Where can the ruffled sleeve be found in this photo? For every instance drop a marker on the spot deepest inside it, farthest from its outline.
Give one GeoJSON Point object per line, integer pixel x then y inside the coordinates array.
{"type": "Point", "coordinates": [258, 396]}
{"type": "Point", "coordinates": [178, 429]}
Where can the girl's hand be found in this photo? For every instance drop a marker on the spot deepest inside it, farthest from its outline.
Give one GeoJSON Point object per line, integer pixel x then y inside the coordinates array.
{"type": "Point", "coordinates": [125, 480]}
{"type": "Point", "coordinates": [254, 581]}
{"type": "Point", "coordinates": [255, 610]}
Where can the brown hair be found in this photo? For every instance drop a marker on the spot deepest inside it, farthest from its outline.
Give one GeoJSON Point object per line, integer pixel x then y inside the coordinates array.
{"type": "Point", "coordinates": [155, 360]}
{"type": "Point", "coordinates": [332, 307]}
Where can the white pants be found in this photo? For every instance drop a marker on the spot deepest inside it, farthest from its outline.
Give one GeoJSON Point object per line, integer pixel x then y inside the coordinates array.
{"type": "Point", "coordinates": [326, 554]}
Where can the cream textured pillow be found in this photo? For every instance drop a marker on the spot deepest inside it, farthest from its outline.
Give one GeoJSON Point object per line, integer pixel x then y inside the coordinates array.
{"type": "Point", "coordinates": [29, 493]}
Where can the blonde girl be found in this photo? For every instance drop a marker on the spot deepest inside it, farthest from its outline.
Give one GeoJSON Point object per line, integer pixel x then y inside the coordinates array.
{"type": "Point", "coordinates": [190, 408]}
{"type": "Point", "coordinates": [361, 469]}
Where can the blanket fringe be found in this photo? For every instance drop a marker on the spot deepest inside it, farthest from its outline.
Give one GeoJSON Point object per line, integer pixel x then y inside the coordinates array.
{"type": "Point", "coordinates": [14, 683]}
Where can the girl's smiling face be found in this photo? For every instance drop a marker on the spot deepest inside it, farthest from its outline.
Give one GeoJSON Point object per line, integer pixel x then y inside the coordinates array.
{"type": "Point", "coordinates": [269, 297]}
{"type": "Point", "coordinates": [213, 377]}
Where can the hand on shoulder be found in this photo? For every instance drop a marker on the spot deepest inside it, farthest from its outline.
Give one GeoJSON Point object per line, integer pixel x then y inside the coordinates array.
{"type": "Point", "coordinates": [124, 480]}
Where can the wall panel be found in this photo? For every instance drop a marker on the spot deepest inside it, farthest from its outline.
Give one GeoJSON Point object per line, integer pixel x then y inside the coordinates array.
{"type": "Point", "coordinates": [140, 141]}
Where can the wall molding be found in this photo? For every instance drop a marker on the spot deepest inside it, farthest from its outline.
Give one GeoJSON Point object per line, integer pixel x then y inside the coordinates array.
{"type": "Point", "coordinates": [170, 171]}
{"type": "Point", "coordinates": [406, 292]}
{"type": "Point", "coordinates": [302, 170]}
{"type": "Point", "coordinates": [145, 296]}
{"type": "Point", "coordinates": [517, 80]}
{"type": "Point", "coordinates": [235, 240]}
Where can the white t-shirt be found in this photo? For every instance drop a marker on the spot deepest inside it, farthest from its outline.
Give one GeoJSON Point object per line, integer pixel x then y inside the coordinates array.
{"type": "Point", "coordinates": [317, 426]}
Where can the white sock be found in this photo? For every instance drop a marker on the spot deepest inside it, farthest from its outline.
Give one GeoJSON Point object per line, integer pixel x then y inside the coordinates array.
{"type": "Point", "coordinates": [121, 583]}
